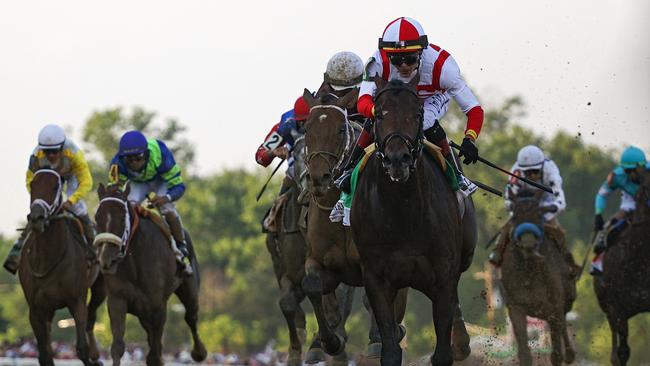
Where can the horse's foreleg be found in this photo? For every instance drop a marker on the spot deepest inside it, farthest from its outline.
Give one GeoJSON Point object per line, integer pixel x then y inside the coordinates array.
{"type": "Point", "coordinates": [557, 326]}
{"type": "Point", "coordinates": [374, 337]}
{"type": "Point", "coordinates": [80, 314]}
{"type": "Point", "coordinates": [313, 287]}
{"type": "Point", "coordinates": [613, 327]}
{"type": "Point", "coordinates": [459, 335]}
{"type": "Point", "coordinates": [39, 323]}
{"type": "Point", "coordinates": [569, 353]}
{"type": "Point", "coordinates": [117, 312]}
{"type": "Point", "coordinates": [443, 303]}
{"type": "Point", "coordinates": [518, 319]}
{"type": "Point", "coordinates": [155, 324]}
{"type": "Point", "coordinates": [382, 302]}
{"type": "Point", "coordinates": [97, 297]}
{"type": "Point", "coordinates": [288, 306]}
{"type": "Point", "coordinates": [188, 293]}
{"type": "Point", "coordinates": [623, 347]}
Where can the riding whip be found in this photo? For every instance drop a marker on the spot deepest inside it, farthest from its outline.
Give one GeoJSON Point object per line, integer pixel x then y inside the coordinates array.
{"type": "Point", "coordinates": [268, 180]}
{"type": "Point", "coordinates": [492, 165]}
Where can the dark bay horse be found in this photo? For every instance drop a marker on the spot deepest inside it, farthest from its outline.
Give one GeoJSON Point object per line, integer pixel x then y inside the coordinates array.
{"type": "Point", "coordinates": [54, 271]}
{"type": "Point", "coordinates": [408, 229]}
{"type": "Point", "coordinates": [332, 257]}
{"type": "Point", "coordinates": [537, 280]}
{"type": "Point", "coordinates": [623, 290]}
{"type": "Point", "coordinates": [140, 271]}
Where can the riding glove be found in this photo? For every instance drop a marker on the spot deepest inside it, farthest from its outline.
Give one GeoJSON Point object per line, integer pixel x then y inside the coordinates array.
{"type": "Point", "coordinates": [468, 150]}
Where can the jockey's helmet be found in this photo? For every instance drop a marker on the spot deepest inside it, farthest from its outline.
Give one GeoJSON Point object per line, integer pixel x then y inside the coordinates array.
{"type": "Point", "coordinates": [632, 157]}
{"type": "Point", "coordinates": [51, 137]}
{"type": "Point", "coordinates": [344, 71]}
{"type": "Point", "coordinates": [403, 34]}
{"type": "Point", "coordinates": [530, 157]}
{"type": "Point", "coordinates": [132, 143]}
{"type": "Point", "coordinates": [300, 109]}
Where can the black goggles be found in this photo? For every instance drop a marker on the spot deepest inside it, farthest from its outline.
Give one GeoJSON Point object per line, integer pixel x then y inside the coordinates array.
{"type": "Point", "coordinates": [51, 151]}
{"type": "Point", "coordinates": [135, 157]}
{"type": "Point", "coordinates": [397, 59]}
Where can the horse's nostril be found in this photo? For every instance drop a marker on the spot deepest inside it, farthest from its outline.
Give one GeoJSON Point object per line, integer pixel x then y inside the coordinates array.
{"type": "Point", "coordinates": [327, 177]}
{"type": "Point", "coordinates": [406, 158]}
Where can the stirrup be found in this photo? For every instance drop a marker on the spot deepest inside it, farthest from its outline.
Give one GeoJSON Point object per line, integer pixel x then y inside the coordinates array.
{"type": "Point", "coordinates": [337, 212]}
{"type": "Point", "coordinates": [466, 186]}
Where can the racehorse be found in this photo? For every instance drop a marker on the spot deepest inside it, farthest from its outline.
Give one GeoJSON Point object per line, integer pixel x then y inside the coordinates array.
{"type": "Point", "coordinates": [141, 273]}
{"type": "Point", "coordinates": [536, 279]}
{"type": "Point", "coordinates": [54, 271]}
{"type": "Point", "coordinates": [623, 290]}
{"type": "Point", "coordinates": [332, 257]}
{"type": "Point", "coordinates": [407, 226]}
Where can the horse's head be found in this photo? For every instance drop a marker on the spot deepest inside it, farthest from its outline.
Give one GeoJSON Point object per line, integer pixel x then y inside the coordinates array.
{"type": "Point", "coordinates": [642, 211]}
{"type": "Point", "coordinates": [528, 221]}
{"type": "Point", "coordinates": [299, 163]}
{"type": "Point", "coordinates": [329, 136]}
{"type": "Point", "coordinates": [398, 126]}
{"type": "Point", "coordinates": [113, 225]}
{"type": "Point", "coordinates": [46, 190]}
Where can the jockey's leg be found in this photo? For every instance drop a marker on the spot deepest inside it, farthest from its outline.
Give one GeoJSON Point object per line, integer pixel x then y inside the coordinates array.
{"type": "Point", "coordinates": [436, 134]}
{"type": "Point", "coordinates": [178, 234]}
{"type": "Point", "coordinates": [562, 245]}
{"type": "Point", "coordinates": [11, 263]}
{"type": "Point", "coordinates": [365, 139]}
{"type": "Point", "coordinates": [81, 211]}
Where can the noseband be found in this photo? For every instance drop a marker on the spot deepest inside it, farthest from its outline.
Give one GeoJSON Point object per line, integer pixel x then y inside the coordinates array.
{"type": "Point", "coordinates": [110, 237]}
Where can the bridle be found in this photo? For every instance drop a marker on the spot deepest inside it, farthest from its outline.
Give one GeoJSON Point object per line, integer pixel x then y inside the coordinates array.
{"type": "Point", "coordinates": [50, 208]}
{"type": "Point", "coordinates": [415, 144]}
{"type": "Point", "coordinates": [120, 242]}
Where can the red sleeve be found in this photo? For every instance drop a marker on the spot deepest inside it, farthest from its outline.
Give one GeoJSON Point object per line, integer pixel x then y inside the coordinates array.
{"type": "Point", "coordinates": [474, 121]}
{"type": "Point", "coordinates": [365, 105]}
{"type": "Point", "coordinates": [263, 156]}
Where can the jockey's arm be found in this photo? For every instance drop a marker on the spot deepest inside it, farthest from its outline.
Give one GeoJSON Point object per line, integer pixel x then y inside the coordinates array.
{"type": "Point", "coordinates": [452, 81]}
{"type": "Point", "coordinates": [264, 154]}
{"type": "Point", "coordinates": [29, 175]}
{"type": "Point", "coordinates": [553, 179]}
{"type": "Point", "coordinates": [601, 197]}
{"type": "Point", "coordinates": [171, 173]}
{"type": "Point", "coordinates": [82, 173]}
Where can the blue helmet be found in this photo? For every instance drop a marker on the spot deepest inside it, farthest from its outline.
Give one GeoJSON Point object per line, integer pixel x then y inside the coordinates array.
{"type": "Point", "coordinates": [132, 143]}
{"type": "Point", "coordinates": [632, 157]}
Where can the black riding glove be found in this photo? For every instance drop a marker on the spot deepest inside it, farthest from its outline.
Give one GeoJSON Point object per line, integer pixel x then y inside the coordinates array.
{"type": "Point", "coordinates": [599, 223]}
{"type": "Point", "coordinates": [468, 150]}
{"type": "Point", "coordinates": [551, 208]}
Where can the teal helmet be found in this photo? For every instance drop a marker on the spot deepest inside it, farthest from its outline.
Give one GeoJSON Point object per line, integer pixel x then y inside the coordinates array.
{"type": "Point", "coordinates": [632, 157]}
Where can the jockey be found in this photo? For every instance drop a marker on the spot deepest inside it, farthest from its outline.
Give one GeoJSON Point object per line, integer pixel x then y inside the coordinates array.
{"type": "Point", "coordinates": [404, 52]}
{"type": "Point", "coordinates": [626, 177]}
{"type": "Point", "coordinates": [533, 164]}
{"type": "Point", "coordinates": [280, 139]}
{"type": "Point", "coordinates": [57, 152]}
{"type": "Point", "coordinates": [150, 167]}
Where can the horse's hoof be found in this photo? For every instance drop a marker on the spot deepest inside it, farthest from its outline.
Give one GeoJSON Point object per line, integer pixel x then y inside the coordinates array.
{"type": "Point", "coordinates": [199, 353]}
{"type": "Point", "coordinates": [569, 356]}
{"type": "Point", "coordinates": [302, 335]}
{"type": "Point", "coordinates": [294, 358]}
{"type": "Point", "coordinates": [335, 349]}
{"type": "Point", "coordinates": [314, 355]}
{"type": "Point", "coordinates": [373, 351]}
{"type": "Point", "coordinates": [340, 360]}
{"type": "Point", "coordinates": [461, 352]}
{"type": "Point", "coordinates": [97, 363]}
{"type": "Point", "coordinates": [401, 332]}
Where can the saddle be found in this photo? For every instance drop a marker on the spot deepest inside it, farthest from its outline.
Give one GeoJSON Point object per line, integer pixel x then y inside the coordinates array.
{"type": "Point", "coordinates": [145, 210]}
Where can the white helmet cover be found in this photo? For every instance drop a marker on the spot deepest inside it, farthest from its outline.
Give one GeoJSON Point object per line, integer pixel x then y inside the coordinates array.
{"type": "Point", "coordinates": [530, 157]}
{"type": "Point", "coordinates": [344, 70]}
{"type": "Point", "coordinates": [51, 137]}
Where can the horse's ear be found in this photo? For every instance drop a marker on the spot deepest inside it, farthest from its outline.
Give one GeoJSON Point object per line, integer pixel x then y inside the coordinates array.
{"type": "Point", "coordinates": [415, 81]}
{"type": "Point", "coordinates": [324, 89]}
{"type": "Point", "coordinates": [127, 190]}
{"type": "Point", "coordinates": [101, 191]}
{"type": "Point", "coordinates": [309, 98]}
{"type": "Point", "coordinates": [349, 100]}
{"type": "Point", "coordinates": [379, 82]}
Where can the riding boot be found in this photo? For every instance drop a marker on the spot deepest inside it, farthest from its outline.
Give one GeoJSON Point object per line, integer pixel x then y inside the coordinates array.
{"type": "Point", "coordinates": [437, 135]}
{"type": "Point", "coordinates": [178, 235]}
{"type": "Point", "coordinates": [11, 263]}
{"type": "Point", "coordinates": [89, 232]}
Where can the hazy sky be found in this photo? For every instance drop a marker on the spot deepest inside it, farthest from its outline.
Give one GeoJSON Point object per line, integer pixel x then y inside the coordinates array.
{"type": "Point", "coordinates": [227, 70]}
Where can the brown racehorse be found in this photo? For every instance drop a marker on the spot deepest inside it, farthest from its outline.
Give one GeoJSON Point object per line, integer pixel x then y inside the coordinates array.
{"type": "Point", "coordinates": [54, 271]}
{"type": "Point", "coordinates": [332, 257]}
{"type": "Point", "coordinates": [537, 279]}
{"type": "Point", "coordinates": [140, 270]}
{"type": "Point", "coordinates": [623, 290]}
{"type": "Point", "coordinates": [407, 226]}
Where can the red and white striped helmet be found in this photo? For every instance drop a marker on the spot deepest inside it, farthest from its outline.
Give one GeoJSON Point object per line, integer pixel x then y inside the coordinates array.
{"type": "Point", "coordinates": [403, 34]}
